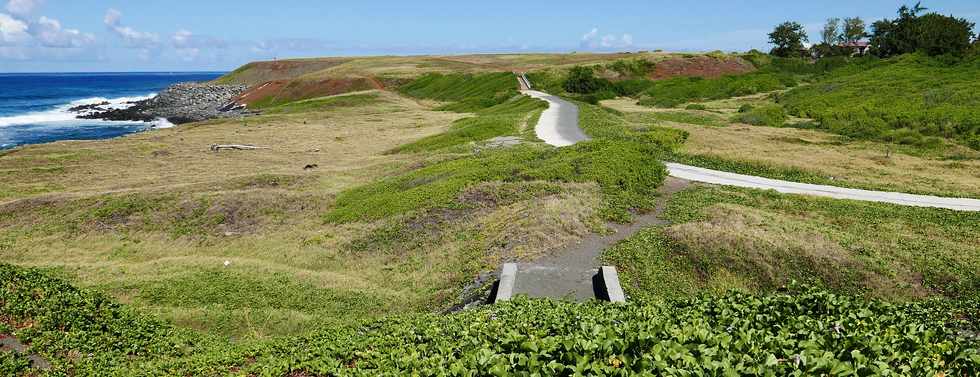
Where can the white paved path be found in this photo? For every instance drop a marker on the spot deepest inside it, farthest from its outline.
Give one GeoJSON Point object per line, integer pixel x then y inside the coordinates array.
{"type": "Point", "coordinates": [559, 127]}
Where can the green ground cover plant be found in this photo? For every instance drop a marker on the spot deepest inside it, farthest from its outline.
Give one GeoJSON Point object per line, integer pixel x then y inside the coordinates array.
{"type": "Point", "coordinates": [724, 238]}
{"type": "Point", "coordinates": [799, 331]}
{"type": "Point", "coordinates": [468, 93]}
{"type": "Point", "coordinates": [911, 99]}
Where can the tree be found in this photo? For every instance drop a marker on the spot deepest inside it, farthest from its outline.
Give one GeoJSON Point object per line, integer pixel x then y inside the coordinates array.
{"type": "Point", "coordinates": [940, 35]}
{"type": "Point", "coordinates": [831, 33]}
{"type": "Point", "coordinates": [932, 34]}
{"type": "Point", "coordinates": [788, 38]}
{"type": "Point", "coordinates": [854, 30]}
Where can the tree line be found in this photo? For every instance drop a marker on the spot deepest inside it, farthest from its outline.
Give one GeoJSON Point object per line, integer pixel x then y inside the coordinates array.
{"type": "Point", "coordinates": [913, 30]}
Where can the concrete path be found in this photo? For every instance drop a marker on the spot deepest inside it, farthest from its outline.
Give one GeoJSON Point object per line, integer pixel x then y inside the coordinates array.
{"type": "Point", "coordinates": [568, 273]}
{"type": "Point", "coordinates": [558, 125]}
{"type": "Point", "coordinates": [697, 174]}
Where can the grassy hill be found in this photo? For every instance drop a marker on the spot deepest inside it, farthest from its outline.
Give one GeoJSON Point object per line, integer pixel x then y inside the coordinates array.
{"type": "Point", "coordinates": [384, 200]}
{"type": "Point", "coordinates": [910, 100]}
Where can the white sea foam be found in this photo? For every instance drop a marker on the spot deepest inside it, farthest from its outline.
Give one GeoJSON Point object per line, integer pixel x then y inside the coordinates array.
{"type": "Point", "coordinates": [61, 114]}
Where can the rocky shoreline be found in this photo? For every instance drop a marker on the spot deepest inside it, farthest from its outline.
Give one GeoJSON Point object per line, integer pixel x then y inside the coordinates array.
{"type": "Point", "coordinates": [178, 104]}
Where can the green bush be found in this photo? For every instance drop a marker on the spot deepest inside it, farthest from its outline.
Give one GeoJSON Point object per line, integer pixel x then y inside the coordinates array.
{"type": "Point", "coordinates": [745, 108]}
{"type": "Point", "coordinates": [582, 80]}
{"type": "Point", "coordinates": [770, 115]}
{"type": "Point", "coordinates": [696, 106]}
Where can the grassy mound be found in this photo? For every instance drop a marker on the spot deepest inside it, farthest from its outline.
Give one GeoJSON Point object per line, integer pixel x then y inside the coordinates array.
{"type": "Point", "coordinates": [803, 331]}
{"type": "Point", "coordinates": [627, 172]}
{"type": "Point", "coordinates": [910, 100]}
{"type": "Point", "coordinates": [468, 92]}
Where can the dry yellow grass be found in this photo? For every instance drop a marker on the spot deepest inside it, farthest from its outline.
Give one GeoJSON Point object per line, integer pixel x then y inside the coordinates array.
{"type": "Point", "coordinates": [261, 212]}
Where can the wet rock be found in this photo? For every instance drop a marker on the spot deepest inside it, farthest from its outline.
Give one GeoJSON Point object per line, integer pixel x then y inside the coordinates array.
{"type": "Point", "coordinates": [180, 103]}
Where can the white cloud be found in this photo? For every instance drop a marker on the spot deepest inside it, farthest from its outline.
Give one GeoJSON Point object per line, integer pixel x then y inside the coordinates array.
{"type": "Point", "coordinates": [12, 30]}
{"type": "Point", "coordinates": [22, 7]}
{"type": "Point", "coordinates": [131, 37]}
{"type": "Point", "coordinates": [49, 33]}
{"type": "Point", "coordinates": [592, 40]}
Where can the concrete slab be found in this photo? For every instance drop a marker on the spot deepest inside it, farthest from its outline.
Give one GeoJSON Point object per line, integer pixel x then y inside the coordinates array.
{"type": "Point", "coordinates": [612, 290]}
{"type": "Point", "coordinates": [505, 288]}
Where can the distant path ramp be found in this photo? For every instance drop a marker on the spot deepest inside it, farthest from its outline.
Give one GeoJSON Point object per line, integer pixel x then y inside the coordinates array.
{"type": "Point", "coordinates": [693, 173]}
{"type": "Point", "coordinates": [559, 127]}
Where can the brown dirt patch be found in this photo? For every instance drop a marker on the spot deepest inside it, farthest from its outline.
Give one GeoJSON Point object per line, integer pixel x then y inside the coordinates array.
{"type": "Point", "coordinates": [700, 66]}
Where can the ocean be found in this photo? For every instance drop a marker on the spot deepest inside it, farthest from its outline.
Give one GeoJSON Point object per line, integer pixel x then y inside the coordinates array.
{"type": "Point", "coordinates": [34, 107]}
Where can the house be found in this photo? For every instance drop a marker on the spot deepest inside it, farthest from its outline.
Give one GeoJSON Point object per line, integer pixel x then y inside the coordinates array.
{"type": "Point", "coordinates": [859, 47]}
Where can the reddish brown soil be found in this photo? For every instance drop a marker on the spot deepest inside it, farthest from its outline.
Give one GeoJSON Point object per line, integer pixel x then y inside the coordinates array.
{"type": "Point", "coordinates": [701, 66]}
{"type": "Point", "coordinates": [280, 91]}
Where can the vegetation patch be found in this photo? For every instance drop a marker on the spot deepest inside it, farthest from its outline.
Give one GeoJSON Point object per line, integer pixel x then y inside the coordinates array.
{"type": "Point", "coordinates": [500, 120]}
{"type": "Point", "coordinates": [326, 103]}
{"type": "Point", "coordinates": [732, 333]}
{"type": "Point", "coordinates": [724, 238]}
{"type": "Point", "coordinates": [468, 93]}
{"type": "Point", "coordinates": [909, 100]}
{"type": "Point", "coordinates": [627, 172]}
{"type": "Point", "coordinates": [770, 116]}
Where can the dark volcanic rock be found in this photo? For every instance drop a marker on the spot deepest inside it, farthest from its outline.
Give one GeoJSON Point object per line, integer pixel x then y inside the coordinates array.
{"type": "Point", "coordinates": [180, 103]}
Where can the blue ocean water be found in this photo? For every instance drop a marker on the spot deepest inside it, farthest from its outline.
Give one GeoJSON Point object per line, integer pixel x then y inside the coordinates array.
{"type": "Point", "coordinates": [34, 107]}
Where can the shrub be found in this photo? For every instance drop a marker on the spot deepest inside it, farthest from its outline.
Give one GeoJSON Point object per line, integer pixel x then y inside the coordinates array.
{"type": "Point", "coordinates": [771, 116]}
{"type": "Point", "coordinates": [696, 106]}
{"type": "Point", "coordinates": [745, 108]}
{"type": "Point", "coordinates": [582, 80]}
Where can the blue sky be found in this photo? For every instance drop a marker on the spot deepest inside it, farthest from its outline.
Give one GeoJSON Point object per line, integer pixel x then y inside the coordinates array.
{"type": "Point", "coordinates": [191, 35]}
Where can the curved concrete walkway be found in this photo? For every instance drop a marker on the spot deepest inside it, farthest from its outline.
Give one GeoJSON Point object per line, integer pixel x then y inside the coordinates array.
{"type": "Point", "coordinates": [559, 127]}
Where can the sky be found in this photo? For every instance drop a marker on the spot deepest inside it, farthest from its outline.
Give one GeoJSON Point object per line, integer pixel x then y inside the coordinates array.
{"type": "Point", "coordinates": [220, 35]}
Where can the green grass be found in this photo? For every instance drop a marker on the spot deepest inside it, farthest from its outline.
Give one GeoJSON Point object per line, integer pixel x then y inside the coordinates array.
{"type": "Point", "coordinates": [503, 119]}
{"type": "Point", "coordinates": [468, 92]}
{"type": "Point", "coordinates": [909, 99]}
{"type": "Point", "coordinates": [325, 104]}
{"type": "Point", "coordinates": [803, 331]}
{"type": "Point", "coordinates": [726, 238]}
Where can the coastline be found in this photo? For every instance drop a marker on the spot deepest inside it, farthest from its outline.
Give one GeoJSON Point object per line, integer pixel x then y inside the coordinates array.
{"type": "Point", "coordinates": [41, 108]}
